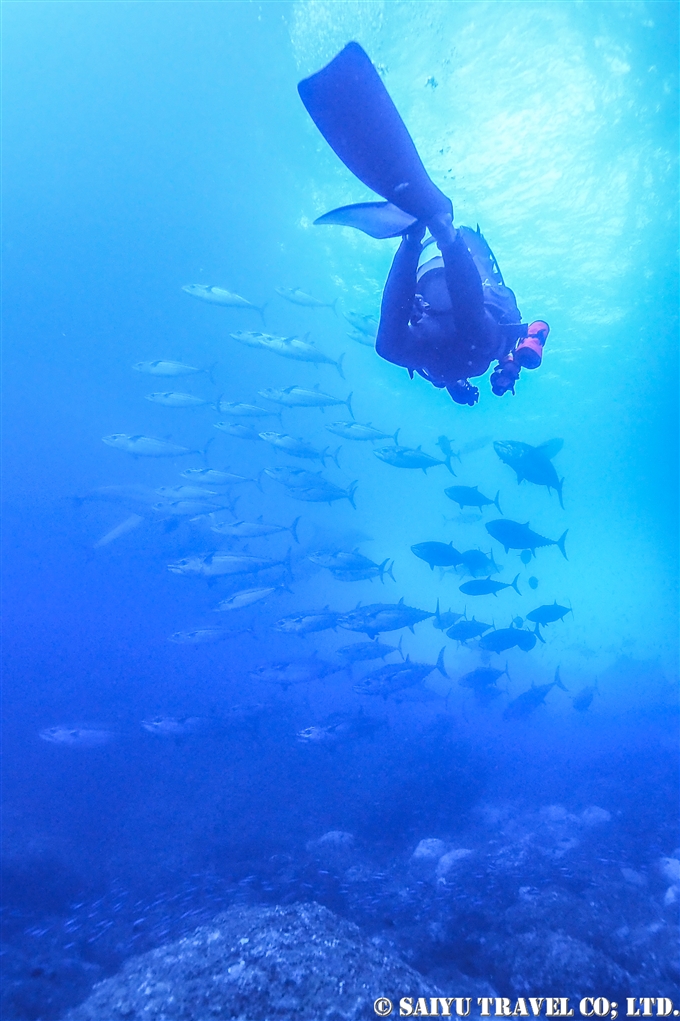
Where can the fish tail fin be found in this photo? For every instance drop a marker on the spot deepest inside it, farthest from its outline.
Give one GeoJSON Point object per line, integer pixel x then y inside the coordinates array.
{"type": "Point", "coordinates": [232, 506]}
{"type": "Point", "coordinates": [348, 402]}
{"type": "Point", "coordinates": [436, 612]}
{"type": "Point", "coordinates": [496, 501]}
{"type": "Point", "coordinates": [260, 309]}
{"type": "Point", "coordinates": [351, 491]}
{"type": "Point", "coordinates": [338, 365]}
{"type": "Point", "coordinates": [559, 493]}
{"type": "Point", "coordinates": [210, 370]}
{"type": "Point", "coordinates": [558, 680]}
{"type": "Point", "coordinates": [381, 569]}
{"type": "Point", "coordinates": [293, 530]}
{"type": "Point", "coordinates": [447, 462]}
{"type": "Point", "coordinates": [537, 632]}
{"type": "Point", "coordinates": [399, 649]}
{"type": "Point", "coordinates": [506, 672]}
{"type": "Point", "coordinates": [334, 457]}
{"type": "Point", "coordinates": [287, 563]}
{"type": "Point", "coordinates": [514, 585]}
{"type": "Point", "coordinates": [440, 662]}
{"type": "Point", "coordinates": [389, 571]}
{"type": "Point", "coordinates": [396, 437]}
{"type": "Point", "coordinates": [258, 480]}
{"type": "Point", "coordinates": [560, 543]}
{"type": "Point", "coordinates": [323, 456]}
{"type": "Point", "coordinates": [204, 452]}
{"type": "Point", "coordinates": [334, 306]}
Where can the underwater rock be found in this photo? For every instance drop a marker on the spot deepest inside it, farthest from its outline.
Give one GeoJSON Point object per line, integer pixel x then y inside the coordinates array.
{"type": "Point", "coordinates": [429, 850]}
{"type": "Point", "coordinates": [449, 861]}
{"type": "Point", "coordinates": [336, 839]}
{"type": "Point", "coordinates": [299, 961]}
{"type": "Point", "coordinates": [540, 960]}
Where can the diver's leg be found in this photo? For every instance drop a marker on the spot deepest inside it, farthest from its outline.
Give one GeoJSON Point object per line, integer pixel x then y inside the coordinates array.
{"type": "Point", "coordinates": [393, 341]}
{"type": "Point", "coordinates": [464, 286]}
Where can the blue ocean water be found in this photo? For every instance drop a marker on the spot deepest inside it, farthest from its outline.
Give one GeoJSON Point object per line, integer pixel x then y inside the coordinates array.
{"type": "Point", "coordinates": [149, 146]}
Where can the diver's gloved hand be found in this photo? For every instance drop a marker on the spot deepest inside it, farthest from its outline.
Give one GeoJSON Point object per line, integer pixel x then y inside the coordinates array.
{"type": "Point", "coordinates": [442, 229]}
{"type": "Point", "coordinates": [462, 392]}
{"type": "Point", "coordinates": [415, 234]}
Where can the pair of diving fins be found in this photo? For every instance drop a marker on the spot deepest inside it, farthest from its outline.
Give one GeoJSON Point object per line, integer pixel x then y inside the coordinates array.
{"type": "Point", "coordinates": [354, 112]}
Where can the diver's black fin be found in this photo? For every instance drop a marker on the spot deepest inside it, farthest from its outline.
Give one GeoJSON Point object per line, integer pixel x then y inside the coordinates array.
{"type": "Point", "coordinates": [353, 111]}
{"type": "Point", "coordinates": [377, 219]}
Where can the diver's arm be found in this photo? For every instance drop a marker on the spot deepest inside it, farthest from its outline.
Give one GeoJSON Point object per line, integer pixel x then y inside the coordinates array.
{"type": "Point", "coordinates": [394, 341]}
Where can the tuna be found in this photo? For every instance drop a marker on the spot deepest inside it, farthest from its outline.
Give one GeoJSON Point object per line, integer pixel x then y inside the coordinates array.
{"type": "Point", "coordinates": [508, 638]}
{"type": "Point", "coordinates": [526, 703]}
{"type": "Point", "coordinates": [359, 652]}
{"type": "Point", "coordinates": [393, 677]}
{"type": "Point", "coordinates": [548, 614]}
{"type": "Point", "coordinates": [254, 529]}
{"type": "Point", "coordinates": [308, 623]}
{"type": "Point", "coordinates": [299, 349]}
{"type": "Point", "coordinates": [442, 621]}
{"type": "Point", "coordinates": [341, 728]}
{"type": "Point", "coordinates": [298, 448]}
{"type": "Point", "coordinates": [220, 296]}
{"type": "Point", "coordinates": [583, 698]}
{"type": "Point", "coordinates": [366, 324]}
{"type": "Point", "coordinates": [464, 630]}
{"type": "Point", "coordinates": [176, 400]}
{"type": "Point", "coordinates": [469, 496]}
{"type": "Point", "coordinates": [234, 410]}
{"type": "Point", "coordinates": [513, 535]}
{"type": "Point", "coordinates": [218, 564]}
{"type": "Point", "coordinates": [482, 677]}
{"type": "Point", "coordinates": [408, 457]}
{"type": "Point", "coordinates": [487, 587]}
{"type": "Point", "coordinates": [357, 431]}
{"type": "Point", "coordinates": [238, 430]}
{"type": "Point", "coordinates": [299, 397]}
{"type": "Point", "coordinates": [327, 492]}
{"type": "Point", "coordinates": [169, 369]}
{"type": "Point", "coordinates": [213, 477]}
{"type": "Point", "coordinates": [146, 446]}
{"type": "Point", "coordinates": [298, 297]}
{"type": "Point", "coordinates": [533, 463]}
{"type": "Point", "coordinates": [478, 564]}
{"type": "Point", "coordinates": [295, 672]}
{"type": "Point", "coordinates": [351, 566]}
{"type": "Point", "coordinates": [375, 618]}
{"type": "Point", "coordinates": [437, 554]}
{"type": "Point", "coordinates": [246, 597]}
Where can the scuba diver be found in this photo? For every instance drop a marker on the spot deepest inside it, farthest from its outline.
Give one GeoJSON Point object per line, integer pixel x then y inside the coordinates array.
{"type": "Point", "coordinates": [445, 316]}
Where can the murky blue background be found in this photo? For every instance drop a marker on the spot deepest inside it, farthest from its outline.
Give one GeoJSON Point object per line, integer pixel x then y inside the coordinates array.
{"type": "Point", "coordinates": [150, 145]}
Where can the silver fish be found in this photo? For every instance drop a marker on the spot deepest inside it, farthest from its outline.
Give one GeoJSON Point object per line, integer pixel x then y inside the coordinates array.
{"type": "Point", "coordinates": [298, 297]}
{"type": "Point", "coordinates": [246, 597]}
{"type": "Point", "coordinates": [298, 448]}
{"type": "Point", "coordinates": [238, 430]}
{"type": "Point", "coordinates": [76, 737]}
{"type": "Point", "coordinates": [366, 324]}
{"type": "Point", "coordinates": [357, 431]}
{"type": "Point", "coordinates": [217, 564]}
{"type": "Point", "coordinates": [299, 397]}
{"type": "Point", "coordinates": [408, 457]}
{"type": "Point", "coordinates": [235, 410]}
{"type": "Point", "coordinates": [220, 296]}
{"type": "Point", "coordinates": [308, 623]}
{"type": "Point", "coordinates": [176, 400]}
{"type": "Point", "coordinates": [254, 529]}
{"type": "Point", "coordinates": [299, 349]}
{"type": "Point", "coordinates": [214, 477]}
{"type": "Point", "coordinates": [170, 726]}
{"type": "Point", "coordinates": [129, 525]}
{"type": "Point", "coordinates": [146, 446]}
{"type": "Point", "coordinates": [168, 368]}
{"type": "Point", "coordinates": [201, 636]}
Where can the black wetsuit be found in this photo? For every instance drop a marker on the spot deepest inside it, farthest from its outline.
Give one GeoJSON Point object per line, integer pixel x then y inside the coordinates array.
{"type": "Point", "coordinates": [456, 344]}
